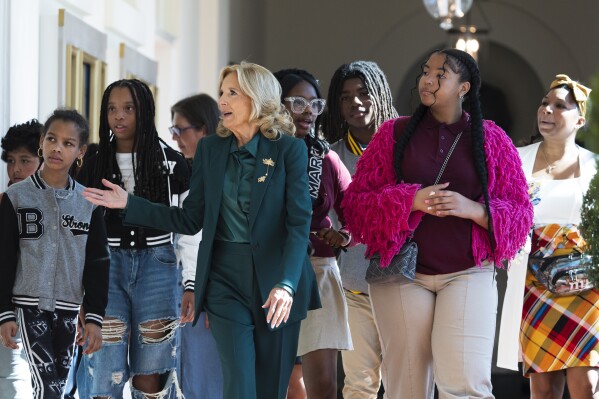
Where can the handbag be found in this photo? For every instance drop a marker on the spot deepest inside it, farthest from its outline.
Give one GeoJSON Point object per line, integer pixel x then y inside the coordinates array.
{"type": "Point", "coordinates": [404, 262]}
{"type": "Point", "coordinates": [564, 274]}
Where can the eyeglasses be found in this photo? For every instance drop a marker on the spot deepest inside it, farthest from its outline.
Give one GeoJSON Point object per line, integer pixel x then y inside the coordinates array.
{"type": "Point", "coordinates": [178, 130]}
{"type": "Point", "coordinates": [300, 104]}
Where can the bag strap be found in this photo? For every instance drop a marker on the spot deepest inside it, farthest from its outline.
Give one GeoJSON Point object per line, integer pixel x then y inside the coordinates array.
{"type": "Point", "coordinates": [396, 134]}
{"type": "Point", "coordinates": [455, 142]}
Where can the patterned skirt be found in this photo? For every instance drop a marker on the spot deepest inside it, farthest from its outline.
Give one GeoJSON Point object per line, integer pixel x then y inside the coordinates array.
{"type": "Point", "coordinates": [558, 332]}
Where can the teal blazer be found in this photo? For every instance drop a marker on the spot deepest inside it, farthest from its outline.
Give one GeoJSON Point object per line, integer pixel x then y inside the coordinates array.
{"type": "Point", "coordinates": [280, 213]}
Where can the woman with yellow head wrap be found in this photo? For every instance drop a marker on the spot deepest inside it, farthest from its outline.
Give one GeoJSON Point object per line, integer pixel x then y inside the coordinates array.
{"type": "Point", "coordinates": [558, 335]}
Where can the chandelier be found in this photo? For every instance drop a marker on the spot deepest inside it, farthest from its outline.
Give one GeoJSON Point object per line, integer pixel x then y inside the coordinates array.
{"type": "Point", "coordinates": [466, 39]}
{"type": "Point", "coordinates": [447, 10]}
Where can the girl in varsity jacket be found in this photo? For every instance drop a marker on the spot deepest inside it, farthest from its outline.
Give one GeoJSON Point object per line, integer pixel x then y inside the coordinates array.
{"type": "Point", "coordinates": [55, 257]}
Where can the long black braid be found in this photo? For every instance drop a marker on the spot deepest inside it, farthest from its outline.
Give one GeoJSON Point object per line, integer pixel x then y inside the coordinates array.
{"type": "Point", "coordinates": [334, 126]}
{"type": "Point", "coordinates": [149, 169]}
{"type": "Point", "coordinates": [466, 67]}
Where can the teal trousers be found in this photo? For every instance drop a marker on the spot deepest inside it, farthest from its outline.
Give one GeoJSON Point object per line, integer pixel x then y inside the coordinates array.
{"type": "Point", "coordinates": [256, 361]}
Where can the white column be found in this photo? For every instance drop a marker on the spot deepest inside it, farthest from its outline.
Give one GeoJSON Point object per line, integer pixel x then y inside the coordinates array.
{"type": "Point", "coordinates": [25, 66]}
{"type": "Point", "coordinates": [214, 43]}
{"type": "Point", "coordinates": [188, 49]}
{"type": "Point", "coordinates": [4, 81]}
{"type": "Point", "coordinates": [52, 73]}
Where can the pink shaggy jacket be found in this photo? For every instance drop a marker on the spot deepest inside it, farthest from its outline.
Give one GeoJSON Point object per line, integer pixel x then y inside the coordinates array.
{"type": "Point", "coordinates": [379, 213]}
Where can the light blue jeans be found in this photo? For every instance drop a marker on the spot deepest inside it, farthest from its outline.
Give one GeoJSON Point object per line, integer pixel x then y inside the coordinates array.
{"type": "Point", "coordinates": [201, 373]}
{"type": "Point", "coordinates": [15, 377]}
{"type": "Point", "coordinates": [143, 289]}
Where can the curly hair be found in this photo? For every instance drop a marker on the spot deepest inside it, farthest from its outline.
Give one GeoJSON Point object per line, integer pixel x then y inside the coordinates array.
{"type": "Point", "coordinates": [260, 85]}
{"type": "Point", "coordinates": [334, 126]}
{"type": "Point", "coordinates": [466, 67]}
{"type": "Point", "coordinates": [25, 135]}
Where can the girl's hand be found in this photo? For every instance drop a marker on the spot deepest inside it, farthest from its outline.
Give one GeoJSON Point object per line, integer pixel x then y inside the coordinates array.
{"type": "Point", "coordinates": [7, 331]}
{"type": "Point", "coordinates": [187, 307]}
{"type": "Point", "coordinates": [279, 303]}
{"type": "Point", "coordinates": [449, 203]}
{"type": "Point", "coordinates": [115, 198]}
{"type": "Point", "coordinates": [332, 237]}
{"type": "Point", "coordinates": [424, 194]}
{"type": "Point", "coordinates": [80, 325]}
{"type": "Point", "coordinates": [92, 335]}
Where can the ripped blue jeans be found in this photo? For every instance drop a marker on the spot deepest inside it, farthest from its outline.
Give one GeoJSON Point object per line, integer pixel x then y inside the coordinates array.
{"type": "Point", "coordinates": [142, 303]}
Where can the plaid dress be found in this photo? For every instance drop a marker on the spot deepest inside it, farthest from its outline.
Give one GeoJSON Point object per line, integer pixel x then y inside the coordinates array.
{"type": "Point", "coordinates": [558, 332]}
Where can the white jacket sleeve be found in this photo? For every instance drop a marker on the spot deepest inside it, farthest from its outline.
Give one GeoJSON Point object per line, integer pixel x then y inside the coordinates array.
{"type": "Point", "coordinates": [186, 250]}
{"type": "Point", "coordinates": [509, 353]}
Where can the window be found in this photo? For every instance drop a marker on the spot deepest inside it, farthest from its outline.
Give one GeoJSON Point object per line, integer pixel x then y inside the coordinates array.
{"type": "Point", "coordinates": [85, 83]}
{"type": "Point", "coordinates": [83, 51]}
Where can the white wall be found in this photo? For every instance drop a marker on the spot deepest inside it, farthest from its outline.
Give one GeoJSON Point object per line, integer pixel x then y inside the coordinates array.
{"type": "Point", "coordinates": [24, 60]}
{"type": "Point", "coordinates": [193, 39]}
{"type": "Point", "coordinates": [188, 39]}
{"type": "Point", "coordinates": [190, 63]}
{"type": "Point", "coordinates": [549, 36]}
{"type": "Point", "coordinates": [19, 48]}
{"type": "Point", "coordinates": [4, 80]}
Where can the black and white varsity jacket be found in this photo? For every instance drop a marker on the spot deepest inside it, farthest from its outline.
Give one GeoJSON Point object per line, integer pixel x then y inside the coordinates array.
{"type": "Point", "coordinates": [54, 250]}
{"type": "Point", "coordinates": [131, 237]}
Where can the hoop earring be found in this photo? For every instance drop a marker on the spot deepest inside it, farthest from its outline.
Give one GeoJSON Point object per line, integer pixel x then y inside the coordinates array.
{"type": "Point", "coordinates": [40, 153]}
{"type": "Point", "coordinates": [79, 162]}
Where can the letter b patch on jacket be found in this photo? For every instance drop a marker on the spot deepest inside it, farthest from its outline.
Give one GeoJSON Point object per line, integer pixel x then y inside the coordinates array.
{"type": "Point", "coordinates": [30, 223]}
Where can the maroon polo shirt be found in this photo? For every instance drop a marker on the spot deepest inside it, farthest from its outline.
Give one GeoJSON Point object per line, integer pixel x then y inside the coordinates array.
{"type": "Point", "coordinates": [444, 243]}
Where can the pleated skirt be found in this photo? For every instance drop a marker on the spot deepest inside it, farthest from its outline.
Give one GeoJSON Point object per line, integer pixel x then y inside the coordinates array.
{"type": "Point", "coordinates": [326, 328]}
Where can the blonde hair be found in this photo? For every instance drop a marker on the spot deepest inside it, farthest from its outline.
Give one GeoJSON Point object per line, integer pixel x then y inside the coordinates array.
{"type": "Point", "coordinates": [260, 85]}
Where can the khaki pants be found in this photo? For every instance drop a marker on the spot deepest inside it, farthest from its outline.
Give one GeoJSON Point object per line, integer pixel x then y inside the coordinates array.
{"type": "Point", "coordinates": [437, 329]}
{"type": "Point", "coordinates": [362, 366]}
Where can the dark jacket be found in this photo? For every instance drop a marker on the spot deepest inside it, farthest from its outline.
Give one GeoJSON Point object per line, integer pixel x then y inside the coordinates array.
{"type": "Point", "coordinates": [279, 217]}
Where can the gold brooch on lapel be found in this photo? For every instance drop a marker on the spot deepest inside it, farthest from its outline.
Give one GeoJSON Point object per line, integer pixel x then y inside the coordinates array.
{"type": "Point", "coordinates": [268, 162]}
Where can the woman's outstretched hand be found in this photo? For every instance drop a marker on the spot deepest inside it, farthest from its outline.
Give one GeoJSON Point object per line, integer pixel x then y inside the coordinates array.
{"type": "Point", "coordinates": [115, 197]}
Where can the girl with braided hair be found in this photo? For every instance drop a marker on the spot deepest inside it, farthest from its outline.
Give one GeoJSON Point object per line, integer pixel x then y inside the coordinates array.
{"type": "Point", "coordinates": [249, 197]}
{"type": "Point", "coordinates": [325, 331]}
{"type": "Point", "coordinates": [439, 327]}
{"type": "Point", "coordinates": [359, 101]}
{"type": "Point", "coordinates": [141, 326]}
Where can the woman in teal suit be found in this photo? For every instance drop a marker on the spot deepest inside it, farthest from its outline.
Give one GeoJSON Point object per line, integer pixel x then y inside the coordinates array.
{"type": "Point", "coordinates": [249, 194]}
